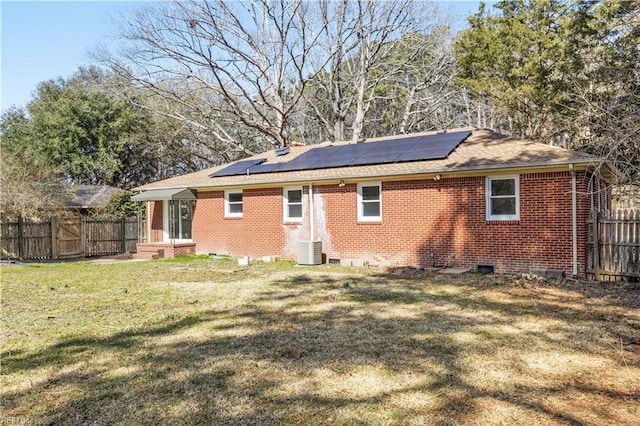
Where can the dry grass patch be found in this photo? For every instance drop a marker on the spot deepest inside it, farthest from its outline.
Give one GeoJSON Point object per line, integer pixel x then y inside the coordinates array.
{"type": "Point", "coordinates": [205, 342]}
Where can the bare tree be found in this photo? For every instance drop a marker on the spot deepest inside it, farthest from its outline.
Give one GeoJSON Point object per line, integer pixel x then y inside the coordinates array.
{"type": "Point", "coordinates": [431, 99]}
{"type": "Point", "coordinates": [27, 190]}
{"type": "Point", "coordinates": [358, 37]}
{"type": "Point", "coordinates": [250, 75]}
{"type": "Point", "coordinates": [215, 65]}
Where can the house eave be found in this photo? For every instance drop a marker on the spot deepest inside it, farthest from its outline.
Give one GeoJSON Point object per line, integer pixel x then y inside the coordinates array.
{"type": "Point", "coordinates": [158, 194]}
{"type": "Point", "coordinates": [350, 174]}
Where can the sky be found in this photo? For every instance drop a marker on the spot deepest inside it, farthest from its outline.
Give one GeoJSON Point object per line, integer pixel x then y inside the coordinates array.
{"type": "Point", "coordinates": [44, 40]}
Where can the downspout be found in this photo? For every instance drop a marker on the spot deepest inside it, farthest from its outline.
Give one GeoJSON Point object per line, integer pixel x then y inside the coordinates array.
{"type": "Point", "coordinates": [574, 220]}
{"type": "Point", "coordinates": [312, 234]}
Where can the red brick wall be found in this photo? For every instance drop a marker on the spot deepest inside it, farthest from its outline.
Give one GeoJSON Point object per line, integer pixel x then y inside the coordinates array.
{"type": "Point", "coordinates": [156, 222]}
{"type": "Point", "coordinates": [260, 232]}
{"type": "Point", "coordinates": [424, 223]}
{"type": "Point", "coordinates": [443, 222]}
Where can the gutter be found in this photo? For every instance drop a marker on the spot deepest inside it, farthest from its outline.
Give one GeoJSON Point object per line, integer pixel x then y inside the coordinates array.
{"type": "Point", "coordinates": [418, 174]}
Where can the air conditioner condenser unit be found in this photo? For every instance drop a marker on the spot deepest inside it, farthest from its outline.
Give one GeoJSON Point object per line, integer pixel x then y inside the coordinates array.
{"type": "Point", "coordinates": [309, 252]}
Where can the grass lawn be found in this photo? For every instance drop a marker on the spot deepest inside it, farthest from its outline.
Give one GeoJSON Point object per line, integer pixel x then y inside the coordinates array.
{"type": "Point", "coordinates": [201, 341]}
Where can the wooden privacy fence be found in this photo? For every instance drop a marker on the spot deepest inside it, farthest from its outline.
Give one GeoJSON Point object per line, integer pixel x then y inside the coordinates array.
{"type": "Point", "coordinates": [67, 238]}
{"type": "Point", "coordinates": [613, 245]}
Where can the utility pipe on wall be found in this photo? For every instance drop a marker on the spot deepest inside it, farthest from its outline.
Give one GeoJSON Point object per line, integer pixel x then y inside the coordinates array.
{"type": "Point", "coordinates": [312, 235]}
{"type": "Point", "coordinates": [574, 220]}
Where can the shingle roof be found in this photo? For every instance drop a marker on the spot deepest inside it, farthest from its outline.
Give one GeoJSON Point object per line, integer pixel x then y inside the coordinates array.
{"type": "Point", "coordinates": [90, 196]}
{"type": "Point", "coordinates": [482, 150]}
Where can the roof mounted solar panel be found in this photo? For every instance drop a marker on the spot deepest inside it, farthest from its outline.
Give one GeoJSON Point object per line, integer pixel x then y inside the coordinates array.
{"type": "Point", "coordinates": [434, 147]}
{"type": "Point", "coordinates": [385, 152]}
{"type": "Point", "coordinates": [307, 160]}
{"type": "Point", "coordinates": [263, 168]}
{"type": "Point", "coordinates": [401, 149]}
{"type": "Point", "coordinates": [283, 151]}
{"type": "Point", "coordinates": [387, 149]}
{"type": "Point", "coordinates": [344, 155]}
{"type": "Point", "coordinates": [423, 154]}
{"type": "Point", "coordinates": [238, 168]}
{"type": "Point", "coordinates": [449, 140]}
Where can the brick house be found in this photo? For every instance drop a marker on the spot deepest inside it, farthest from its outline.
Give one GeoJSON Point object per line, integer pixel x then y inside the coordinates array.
{"type": "Point", "coordinates": [457, 198]}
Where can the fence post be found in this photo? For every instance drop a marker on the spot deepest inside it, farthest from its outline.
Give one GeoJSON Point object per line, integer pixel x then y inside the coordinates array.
{"type": "Point", "coordinates": [21, 248]}
{"type": "Point", "coordinates": [596, 246]}
{"type": "Point", "coordinates": [123, 237]}
{"type": "Point", "coordinates": [54, 237]}
{"type": "Point", "coordinates": [83, 236]}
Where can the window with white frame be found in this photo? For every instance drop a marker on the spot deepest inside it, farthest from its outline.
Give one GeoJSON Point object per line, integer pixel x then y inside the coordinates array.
{"type": "Point", "coordinates": [503, 198]}
{"type": "Point", "coordinates": [233, 203]}
{"type": "Point", "coordinates": [292, 204]}
{"type": "Point", "coordinates": [369, 202]}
